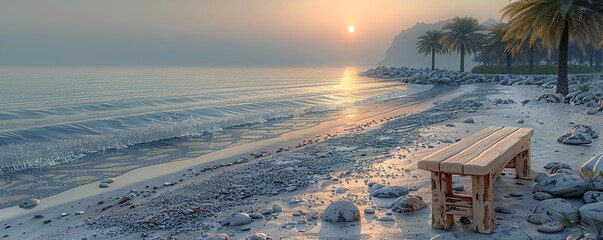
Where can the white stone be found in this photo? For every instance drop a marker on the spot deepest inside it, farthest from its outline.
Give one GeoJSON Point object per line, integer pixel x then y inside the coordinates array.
{"type": "Point", "coordinates": [407, 204]}
{"type": "Point", "coordinates": [341, 211]}
{"type": "Point", "coordinates": [237, 219]}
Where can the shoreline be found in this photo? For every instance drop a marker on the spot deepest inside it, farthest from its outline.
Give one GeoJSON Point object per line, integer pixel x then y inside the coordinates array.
{"type": "Point", "coordinates": [137, 177]}
{"type": "Point", "coordinates": [386, 154]}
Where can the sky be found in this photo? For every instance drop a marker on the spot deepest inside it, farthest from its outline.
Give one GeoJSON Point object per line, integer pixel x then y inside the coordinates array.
{"type": "Point", "coordinates": [215, 32]}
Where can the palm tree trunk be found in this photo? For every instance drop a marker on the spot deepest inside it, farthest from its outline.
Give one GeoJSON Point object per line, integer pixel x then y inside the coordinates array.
{"type": "Point", "coordinates": [432, 60]}
{"type": "Point", "coordinates": [509, 62]}
{"type": "Point", "coordinates": [462, 59]}
{"type": "Point", "coordinates": [562, 84]}
{"type": "Point", "coordinates": [531, 61]}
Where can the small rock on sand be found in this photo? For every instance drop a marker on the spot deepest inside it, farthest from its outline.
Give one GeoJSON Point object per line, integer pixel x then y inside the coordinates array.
{"type": "Point", "coordinates": [468, 120]}
{"type": "Point", "coordinates": [503, 210]}
{"type": "Point", "coordinates": [519, 121]}
{"type": "Point", "coordinates": [104, 185]}
{"type": "Point", "coordinates": [390, 192]}
{"type": "Point", "coordinates": [277, 208]}
{"type": "Point", "coordinates": [257, 236]}
{"type": "Point", "coordinates": [386, 219]}
{"type": "Point", "coordinates": [548, 210]}
{"type": "Point", "coordinates": [407, 204]}
{"type": "Point", "coordinates": [29, 203]}
{"type": "Point", "coordinates": [551, 227]}
{"type": "Point", "coordinates": [341, 211]}
{"type": "Point", "coordinates": [237, 219]}
{"type": "Point", "coordinates": [218, 236]}
{"type": "Point", "coordinates": [107, 180]}
{"type": "Point", "coordinates": [340, 190]}
{"type": "Point", "coordinates": [369, 211]}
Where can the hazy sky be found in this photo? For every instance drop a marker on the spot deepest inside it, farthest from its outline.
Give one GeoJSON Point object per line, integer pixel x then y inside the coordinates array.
{"type": "Point", "coordinates": [218, 32]}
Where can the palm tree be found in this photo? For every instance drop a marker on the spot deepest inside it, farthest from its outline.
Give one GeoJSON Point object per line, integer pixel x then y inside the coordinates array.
{"type": "Point", "coordinates": [463, 36]}
{"type": "Point", "coordinates": [431, 43]}
{"type": "Point", "coordinates": [554, 22]}
{"type": "Point", "coordinates": [496, 47]}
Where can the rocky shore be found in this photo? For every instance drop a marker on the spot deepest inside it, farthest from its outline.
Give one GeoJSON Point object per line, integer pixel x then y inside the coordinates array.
{"type": "Point", "coordinates": [362, 183]}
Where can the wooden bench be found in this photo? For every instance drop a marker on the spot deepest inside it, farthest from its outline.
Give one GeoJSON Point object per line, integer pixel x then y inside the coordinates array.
{"type": "Point", "coordinates": [482, 156]}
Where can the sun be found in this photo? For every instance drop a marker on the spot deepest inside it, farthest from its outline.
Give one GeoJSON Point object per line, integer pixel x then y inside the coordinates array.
{"type": "Point", "coordinates": [351, 29]}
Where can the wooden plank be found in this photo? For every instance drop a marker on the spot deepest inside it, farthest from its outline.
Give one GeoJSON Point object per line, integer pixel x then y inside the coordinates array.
{"type": "Point", "coordinates": [463, 202]}
{"type": "Point", "coordinates": [432, 162]}
{"type": "Point", "coordinates": [454, 164]}
{"type": "Point", "coordinates": [441, 184]}
{"type": "Point", "coordinates": [483, 203]}
{"type": "Point", "coordinates": [500, 153]}
{"type": "Point", "coordinates": [459, 210]}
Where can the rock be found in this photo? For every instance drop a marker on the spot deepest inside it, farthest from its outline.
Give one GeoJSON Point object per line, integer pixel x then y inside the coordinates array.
{"type": "Point", "coordinates": [79, 212]}
{"type": "Point", "coordinates": [407, 204]}
{"type": "Point", "coordinates": [520, 121]}
{"type": "Point", "coordinates": [47, 221]}
{"type": "Point", "coordinates": [503, 210]}
{"type": "Point", "coordinates": [551, 227]}
{"type": "Point", "coordinates": [237, 219]}
{"type": "Point", "coordinates": [458, 187]}
{"type": "Point", "coordinates": [585, 130]}
{"type": "Point", "coordinates": [29, 203]}
{"type": "Point", "coordinates": [468, 120]}
{"type": "Point", "coordinates": [562, 185]}
{"type": "Point", "coordinates": [107, 180]}
{"type": "Point", "coordinates": [369, 211]}
{"type": "Point", "coordinates": [556, 168]}
{"type": "Point", "coordinates": [257, 236]}
{"type": "Point", "coordinates": [218, 236]}
{"type": "Point", "coordinates": [277, 208]}
{"type": "Point", "coordinates": [386, 219]}
{"type": "Point", "coordinates": [593, 111]}
{"type": "Point", "coordinates": [550, 165]}
{"type": "Point", "coordinates": [592, 213]}
{"type": "Point", "coordinates": [549, 210]}
{"type": "Point", "coordinates": [340, 190]}
{"type": "Point", "coordinates": [592, 197]}
{"type": "Point", "coordinates": [256, 216]}
{"type": "Point", "coordinates": [266, 211]}
{"type": "Point", "coordinates": [574, 139]}
{"type": "Point", "coordinates": [592, 168]}
{"type": "Point", "coordinates": [542, 196]}
{"type": "Point", "coordinates": [104, 185]}
{"type": "Point", "coordinates": [549, 98]}
{"type": "Point", "coordinates": [65, 214]}
{"type": "Point", "coordinates": [38, 215]}
{"type": "Point", "coordinates": [524, 102]}
{"type": "Point", "coordinates": [341, 211]}
{"type": "Point", "coordinates": [515, 194]}
{"type": "Point", "coordinates": [375, 187]}
{"type": "Point", "coordinates": [390, 192]}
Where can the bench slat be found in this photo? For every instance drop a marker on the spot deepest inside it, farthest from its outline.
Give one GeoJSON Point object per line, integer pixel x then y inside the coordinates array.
{"type": "Point", "coordinates": [499, 154]}
{"type": "Point", "coordinates": [432, 162]}
{"type": "Point", "coordinates": [455, 164]}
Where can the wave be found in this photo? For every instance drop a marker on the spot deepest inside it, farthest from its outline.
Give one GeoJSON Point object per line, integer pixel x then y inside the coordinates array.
{"type": "Point", "coordinates": [26, 149]}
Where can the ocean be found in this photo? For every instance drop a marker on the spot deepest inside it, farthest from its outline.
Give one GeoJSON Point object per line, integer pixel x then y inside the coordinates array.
{"type": "Point", "coordinates": [51, 116]}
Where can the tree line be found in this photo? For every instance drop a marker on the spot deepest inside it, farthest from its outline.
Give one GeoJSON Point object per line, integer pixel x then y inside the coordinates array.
{"type": "Point", "coordinates": [555, 31]}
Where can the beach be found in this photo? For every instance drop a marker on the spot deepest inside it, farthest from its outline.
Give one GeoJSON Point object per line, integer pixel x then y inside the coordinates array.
{"type": "Point", "coordinates": [178, 200]}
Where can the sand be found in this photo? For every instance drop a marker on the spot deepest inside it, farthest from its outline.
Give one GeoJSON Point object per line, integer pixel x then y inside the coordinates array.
{"type": "Point", "coordinates": [386, 153]}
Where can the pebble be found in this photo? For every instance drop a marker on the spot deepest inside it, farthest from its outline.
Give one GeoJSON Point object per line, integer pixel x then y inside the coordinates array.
{"type": "Point", "coordinates": [369, 211]}
{"type": "Point", "coordinates": [469, 120]}
{"type": "Point", "coordinates": [551, 227]}
{"type": "Point", "coordinates": [104, 185]}
{"type": "Point", "coordinates": [503, 210]}
{"type": "Point", "coordinates": [519, 121]}
{"type": "Point", "coordinates": [515, 194]}
{"type": "Point", "coordinates": [277, 208]}
{"type": "Point", "coordinates": [386, 219]}
{"type": "Point", "coordinates": [340, 190]}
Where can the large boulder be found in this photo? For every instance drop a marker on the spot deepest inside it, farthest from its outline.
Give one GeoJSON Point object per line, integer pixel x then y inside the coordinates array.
{"type": "Point", "coordinates": [389, 192]}
{"type": "Point", "coordinates": [562, 185]}
{"type": "Point", "coordinates": [407, 204]}
{"type": "Point", "coordinates": [341, 211]}
{"type": "Point", "coordinates": [592, 168]}
{"type": "Point", "coordinates": [592, 213]}
{"type": "Point", "coordinates": [550, 210]}
{"type": "Point", "coordinates": [237, 219]}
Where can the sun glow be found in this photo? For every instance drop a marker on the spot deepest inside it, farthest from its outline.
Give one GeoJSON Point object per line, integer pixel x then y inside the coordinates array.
{"type": "Point", "coordinates": [351, 29]}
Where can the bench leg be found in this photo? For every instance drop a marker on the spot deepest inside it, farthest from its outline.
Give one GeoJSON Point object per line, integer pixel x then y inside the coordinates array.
{"type": "Point", "coordinates": [522, 164]}
{"type": "Point", "coordinates": [483, 203]}
{"type": "Point", "coordinates": [441, 184]}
